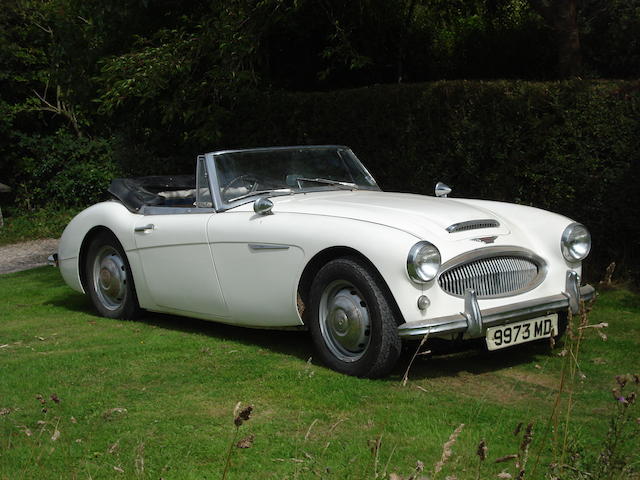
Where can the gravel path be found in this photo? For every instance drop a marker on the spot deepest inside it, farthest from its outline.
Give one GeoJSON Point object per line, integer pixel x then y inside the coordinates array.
{"type": "Point", "coordinates": [26, 255]}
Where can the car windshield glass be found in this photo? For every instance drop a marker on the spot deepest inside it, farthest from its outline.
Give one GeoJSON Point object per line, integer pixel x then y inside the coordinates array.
{"type": "Point", "coordinates": [244, 174]}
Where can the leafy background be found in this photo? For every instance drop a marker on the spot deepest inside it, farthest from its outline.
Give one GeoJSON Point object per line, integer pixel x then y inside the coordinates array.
{"type": "Point", "coordinates": [531, 101]}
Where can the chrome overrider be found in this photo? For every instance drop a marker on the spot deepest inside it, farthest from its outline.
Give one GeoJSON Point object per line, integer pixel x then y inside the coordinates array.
{"type": "Point", "coordinates": [474, 322]}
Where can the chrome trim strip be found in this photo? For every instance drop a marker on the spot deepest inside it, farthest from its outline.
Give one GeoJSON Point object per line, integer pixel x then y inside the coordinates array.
{"type": "Point", "coordinates": [473, 225]}
{"type": "Point", "coordinates": [486, 252]}
{"type": "Point", "coordinates": [269, 149]}
{"type": "Point", "coordinates": [490, 317]}
{"type": "Point", "coordinates": [154, 210]}
{"type": "Point", "coordinates": [267, 246]}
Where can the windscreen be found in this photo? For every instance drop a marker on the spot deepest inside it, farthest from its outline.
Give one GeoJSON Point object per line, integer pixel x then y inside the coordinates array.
{"type": "Point", "coordinates": [242, 173]}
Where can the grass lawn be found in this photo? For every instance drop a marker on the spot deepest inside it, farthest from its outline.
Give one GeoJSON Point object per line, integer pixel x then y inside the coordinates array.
{"type": "Point", "coordinates": [155, 398]}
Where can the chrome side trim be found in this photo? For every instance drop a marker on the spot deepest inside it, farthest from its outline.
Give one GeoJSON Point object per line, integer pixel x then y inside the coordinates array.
{"type": "Point", "coordinates": [162, 210]}
{"type": "Point", "coordinates": [490, 317]}
{"type": "Point", "coordinates": [267, 246]}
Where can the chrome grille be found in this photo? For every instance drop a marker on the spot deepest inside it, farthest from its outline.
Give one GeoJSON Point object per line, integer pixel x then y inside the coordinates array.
{"type": "Point", "coordinates": [496, 276]}
{"type": "Point", "coordinates": [472, 225]}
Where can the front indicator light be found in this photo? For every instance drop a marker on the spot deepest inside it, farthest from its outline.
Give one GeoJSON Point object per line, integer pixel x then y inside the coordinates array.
{"type": "Point", "coordinates": [423, 302]}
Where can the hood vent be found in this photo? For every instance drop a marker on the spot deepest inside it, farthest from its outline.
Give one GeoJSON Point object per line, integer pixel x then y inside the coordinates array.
{"type": "Point", "coordinates": [472, 225]}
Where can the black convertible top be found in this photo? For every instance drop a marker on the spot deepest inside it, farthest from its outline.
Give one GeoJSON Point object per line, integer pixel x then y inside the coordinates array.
{"type": "Point", "coordinates": [134, 193]}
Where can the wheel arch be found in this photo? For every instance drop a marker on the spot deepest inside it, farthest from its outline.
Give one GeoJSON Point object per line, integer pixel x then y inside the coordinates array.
{"type": "Point", "coordinates": [323, 257]}
{"type": "Point", "coordinates": [84, 248]}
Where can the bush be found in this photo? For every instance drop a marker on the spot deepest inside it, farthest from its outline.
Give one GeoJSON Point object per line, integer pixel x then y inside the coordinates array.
{"type": "Point", "coordinates": [570, 147]}
{"type": "Point", "coordinates": [62, 170]}
{"type": "Point", "coordinates": [41, 223]}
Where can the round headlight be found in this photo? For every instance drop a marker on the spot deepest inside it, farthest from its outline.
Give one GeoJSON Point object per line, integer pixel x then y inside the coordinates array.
{"type": "Point", "coordinates": [576, 242]}
{"type": "Point", "coordinates": [423, 262]}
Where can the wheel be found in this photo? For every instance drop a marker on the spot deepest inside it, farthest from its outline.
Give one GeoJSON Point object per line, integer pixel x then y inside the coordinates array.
{"type": "Point", "coordinates": [352, 325]}
{"type": "Point", "coordinates": [109, 280]}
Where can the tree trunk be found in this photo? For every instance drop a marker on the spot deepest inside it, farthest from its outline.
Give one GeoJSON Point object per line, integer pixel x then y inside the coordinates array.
{"type": "Point", "coordinates": [568, 38]}
{"type": "Point", "coordinates": [562, 16]}
{"type": "Point", "coordinates": [402, 40]}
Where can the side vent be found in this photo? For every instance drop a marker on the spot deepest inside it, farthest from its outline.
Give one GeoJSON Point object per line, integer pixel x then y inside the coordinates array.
{"type": "Point", "coordinates": [472, 225]}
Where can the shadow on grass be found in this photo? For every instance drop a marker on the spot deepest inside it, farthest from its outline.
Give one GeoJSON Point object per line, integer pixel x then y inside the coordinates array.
{"type": "Point", "coordinates": [295, 343]}
{"type": "Point", "coordinates": [629, 301]}
{"type": "Point", "coordinates": [447, 361]}
{"type": "Point", "coordinates": [470, 358]}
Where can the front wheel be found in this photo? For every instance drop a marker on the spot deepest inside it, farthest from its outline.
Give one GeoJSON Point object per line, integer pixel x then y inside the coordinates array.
{"type": "Point", "coordinates": [109, 280]}
{"type": "Point", "coordinates": [353, 327]}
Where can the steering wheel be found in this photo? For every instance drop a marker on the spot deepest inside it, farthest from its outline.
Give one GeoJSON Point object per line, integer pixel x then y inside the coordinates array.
{"type": "Point", "coordinates": [248, 178]}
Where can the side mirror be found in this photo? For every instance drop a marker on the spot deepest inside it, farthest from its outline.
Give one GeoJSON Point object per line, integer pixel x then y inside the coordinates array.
{"type": "Point", "coordinates": [442, 189]}
{"type": "Point", "coordinates": [262, 206]}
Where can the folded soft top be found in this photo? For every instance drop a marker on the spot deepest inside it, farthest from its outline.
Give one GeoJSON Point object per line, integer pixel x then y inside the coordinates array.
{"type": "Point", "coordinates": [154, 190]}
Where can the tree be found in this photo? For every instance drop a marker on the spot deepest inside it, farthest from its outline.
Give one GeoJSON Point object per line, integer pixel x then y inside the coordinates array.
{"type": "Point", "coordinates": [562, 17]}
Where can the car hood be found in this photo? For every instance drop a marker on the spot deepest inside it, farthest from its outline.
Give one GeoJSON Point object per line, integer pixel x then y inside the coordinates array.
{"type": "Point", "coordinates": [420, 215]}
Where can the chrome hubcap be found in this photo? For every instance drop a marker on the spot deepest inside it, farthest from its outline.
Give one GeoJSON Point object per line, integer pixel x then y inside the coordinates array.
{"type": "Point", "coordinates": [109, 278]}
{"type": "Point", "coordinates": [344, 321]}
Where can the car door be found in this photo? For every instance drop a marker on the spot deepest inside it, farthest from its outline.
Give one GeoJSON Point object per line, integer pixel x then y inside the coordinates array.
{"type": "Point", "coordinates": [178, 265]}
{"type": "Point", "coordinates": [259, 270]}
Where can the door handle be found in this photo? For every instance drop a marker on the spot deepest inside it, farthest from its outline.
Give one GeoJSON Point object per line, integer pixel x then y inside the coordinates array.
{"type": "Point", "coordinates": [151, 226]}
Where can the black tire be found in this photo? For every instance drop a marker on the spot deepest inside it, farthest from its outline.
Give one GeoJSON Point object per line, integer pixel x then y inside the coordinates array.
{"type": "Point", "coordinates": [109, 280]}
{"type": "Point", "coordinates": [563, 323]}
{"type": "Point", "coordinates": [352, 325]}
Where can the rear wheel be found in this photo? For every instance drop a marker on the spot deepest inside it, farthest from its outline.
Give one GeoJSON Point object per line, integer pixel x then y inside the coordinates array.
{"type": "Point", "coordinates": [109, 280]}
{"type": "Point", "coordinates": [352, 325]}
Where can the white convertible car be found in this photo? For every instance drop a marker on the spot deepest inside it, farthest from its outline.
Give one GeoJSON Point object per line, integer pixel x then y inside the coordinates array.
{"type": "Point", "coordinates": [302, 237]}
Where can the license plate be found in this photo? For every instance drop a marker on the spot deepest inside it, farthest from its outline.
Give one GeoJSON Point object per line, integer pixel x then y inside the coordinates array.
{"type": "Point", "coordinates": [521, 332]}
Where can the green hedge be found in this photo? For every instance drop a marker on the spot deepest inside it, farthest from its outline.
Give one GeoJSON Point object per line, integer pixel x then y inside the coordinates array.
{"type": "Point", "coordinates": [570, 147]}
{"type": "Point", "coordinates": [60, 170]}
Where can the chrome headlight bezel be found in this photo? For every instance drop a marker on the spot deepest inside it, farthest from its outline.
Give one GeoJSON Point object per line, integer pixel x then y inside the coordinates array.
{"type": "Point", "coordinates": [423, 262]}
{"type": "Point", "coordinates": [575, 243]}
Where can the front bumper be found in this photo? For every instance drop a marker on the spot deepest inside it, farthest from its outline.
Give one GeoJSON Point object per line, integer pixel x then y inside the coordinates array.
{"type": "Point", "coordinates": [473, 322]}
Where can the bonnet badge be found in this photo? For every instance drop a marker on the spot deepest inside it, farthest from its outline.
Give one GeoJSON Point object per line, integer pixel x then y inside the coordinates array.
{"type": "Point", "coordinates": [485, 239]}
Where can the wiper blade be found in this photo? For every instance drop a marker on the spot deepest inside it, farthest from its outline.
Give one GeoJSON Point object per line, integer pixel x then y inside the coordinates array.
{"type": "Point", "coordinates": [273, 191]}
{"type": "Point", "coordinates": [337, 183]}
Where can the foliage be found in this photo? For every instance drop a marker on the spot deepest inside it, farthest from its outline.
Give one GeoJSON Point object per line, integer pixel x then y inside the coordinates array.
{"type": "Point", "coordinates": [187, 75]}
{"type": "Point", "coordinates": [619, 445]}
{"type": "Point", "coordinates": [143, 88]}
{"type": "Point", "coordinates": [41, 223]}
{"type": "Point", "coordinates": [611, 37]}
{"type": "Point", "coordinates": [569, 147]}
{"type": "Point", "coordinates": [61, 170]}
